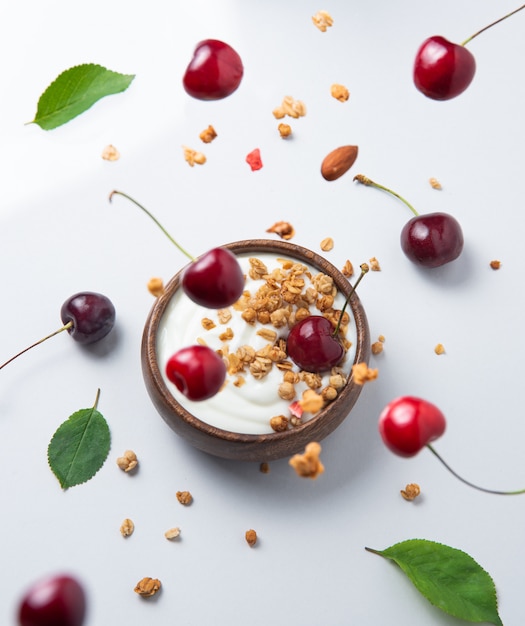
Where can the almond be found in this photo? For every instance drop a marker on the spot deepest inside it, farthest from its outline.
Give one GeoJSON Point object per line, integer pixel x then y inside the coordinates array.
{"type": "Point", "coordinates": [338, 162]}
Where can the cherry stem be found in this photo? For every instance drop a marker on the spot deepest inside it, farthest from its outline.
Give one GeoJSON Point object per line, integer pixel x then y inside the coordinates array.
{"type": "Point", "coordinates": [125, 195]}
{"type": "Point", "coordinates": [492, 24]}
{"type": "Point", "coordinates": [364, 180]}
{"type": "Point", "coordinates": [364, 270]}
{"type": "Point", "coordinates": [466, 482]}
{"type": "Point", "coordinates": [60, 330]}
{"type": "Point", "coordinates": [96, 399]}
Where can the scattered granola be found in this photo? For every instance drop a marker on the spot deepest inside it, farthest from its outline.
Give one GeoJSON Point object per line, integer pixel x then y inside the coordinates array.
{"type": "Point", "coordinates": [292, 108]}
{"type": "Point", "coordinates": [411, 491]}
{"type": "Point", "coordinates": [348, 269]}
{"type": "Point", "coordinates": [172, 533]}
{"type": "Point", "coordinates": [208, 134]}
{"type": "Point", "coordinates": [254, 160]}
{"type": "Point", "coordinates": [110, 153]}
{"type": "Point", "coordinates": [322, 20]}
{"type": "Point", "coordinates": [339, 92]}
{"type": "Point", "coordinates": [264, 468]}
{"type": "Point", "coordinates": [374, 265]}
{"type": "Point", "coordinates": [128, 461]}
{"type": "Point", "coordinates": [251, 537]}
{"type": "Point", "coordinates": [284, 229]}
{"type": "Point", "coordinates": [127, 527]}
{"type": "Point", "coordinates": [184, 497]}
{"type": "Point", "coordinates": [434, 183]}
{"type": "Point", "coordinates": [377, 347]}
{"type": "Point", "coordinates": [285, 130]}
{"type": "Point", "coordinates": [156, 286]}
{"type": "Point", "coordinates": [327, 244]}
{"type": "Point", "coordinates": [192, 157]}
{"type": "Point", "coordinates": [207, 323]}
{"type": "Point", "coordinates": [495, 265]}
{"type": "Point", "coordinates": [308, 465]}
{"type": "Point", "coordinates": [148, 587]}
{"type": "Point", "coordinates": [362, 374]}
{"type": "Point", "coordinates": [439, 349]}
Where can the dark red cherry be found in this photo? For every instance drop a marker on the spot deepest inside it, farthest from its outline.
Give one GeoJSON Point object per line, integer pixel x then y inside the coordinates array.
{"type": "Point", "coordinates": [442, 69]}
{"type": "Point", "coordinates": [197, 371]}
{"type": "Point", "coordinates": [92, 316]}
{"type": "Point", "coordinates": [312, 346]}
{"type": "Point", "coordinates": [214, 72]}
{"type": "Point", "coordinates": [432, 239]}
{"type": "Point", "coordinates": [408, 424]}
{"type": "Point", "coordinates": [214, 280]}
{"type": "Point", "coordinates": [54, 601]}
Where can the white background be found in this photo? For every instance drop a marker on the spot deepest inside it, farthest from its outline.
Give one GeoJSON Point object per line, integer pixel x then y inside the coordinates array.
{"type": "Point", "coordinates": [59, 235]}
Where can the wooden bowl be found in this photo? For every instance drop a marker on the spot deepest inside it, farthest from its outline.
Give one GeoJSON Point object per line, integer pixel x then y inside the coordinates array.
{"type": "Point", "coordinates": [248, 447]}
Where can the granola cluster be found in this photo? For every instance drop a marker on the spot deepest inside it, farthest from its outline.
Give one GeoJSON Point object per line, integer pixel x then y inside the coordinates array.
{"type": "Point", "coordinates": [284, 296]}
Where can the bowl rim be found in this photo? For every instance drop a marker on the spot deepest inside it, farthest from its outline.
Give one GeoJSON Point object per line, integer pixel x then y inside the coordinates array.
{"type": "Point", "coordinates": [241, 247]}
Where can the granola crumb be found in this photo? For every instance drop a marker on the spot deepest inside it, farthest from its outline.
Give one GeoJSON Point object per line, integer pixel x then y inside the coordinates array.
{"type": "Point", "coordinates": [439, 349]}
{"type": "Point", "coordinates": [311, 401]}
{"type": "Point", "coordinates": [290, 107]}
{"type": "Point", "coordinates": [251, 537]}
{"type": "Point", "coordinates": [339, 92]}
{"type": "Point", "coordinates": [362, 374]}
{"type": "Point", "coordinates": [207, 323]}
{"type": "Point", "coordinates": [184, 497]}
{"type": "Point", "coordinates": [374, 265]}
{"type": "Point", "coordinates": [285, 130]}
{"type": "Point", "coordinates": [156, 286]}
{"type": "Point", "coordinates": [128, 461]}
{"type": "Point", "coordinates": [208, 134]}
{"type": "Point", "coordinates": [192, 157]}
{"type": "Point", "coordinates": [377, 347]}
{"type": "Point", "coordinates": [148, 587]}
{"type": "Point", "coordinates": [110, 153]}
{"type": "Point", "coordinates": [411, 491]}
{"type": "Point", "coordinates": [127, 527]}
{"type": "Point", "coordinates": [172, 533]}
{"type": "Point", "coordinates": [322, 20]}
{"type": "Point", "coordinates": [348, 269]}
{"type": "Point", "coordinates": [308, 464]}
{"type": "Point", "coordinates": [495, 264]}
{"type": "Point", "coordinates": [284, 229]}
{"type": "Point", "coordinates": [327, 244]}
{"type": "Point", "coordinates": [434, 183]}
{"type": "Point", "coordinates": [264, 468]}
{"type": "Point", "coordinates": [279, 423]}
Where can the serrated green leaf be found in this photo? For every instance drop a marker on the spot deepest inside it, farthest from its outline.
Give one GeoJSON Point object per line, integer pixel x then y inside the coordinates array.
{"type": "Point", "coordinates": [449, 578]}
{"type": "Point", "coordinates": [79, 447]}
{"type": "Point", "coordinates": [75, 90]}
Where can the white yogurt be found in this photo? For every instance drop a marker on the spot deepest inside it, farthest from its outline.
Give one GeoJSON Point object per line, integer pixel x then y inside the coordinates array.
{"type": "Point", "coordinates": [247, 408]}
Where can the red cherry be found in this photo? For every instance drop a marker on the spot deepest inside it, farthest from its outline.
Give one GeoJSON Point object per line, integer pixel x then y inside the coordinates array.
{"type": "Point", "coordinates": [408, 424]}
{"type": "Point", "coordinates": [214, 280]}
{"type": "Point", "coordinates": [312, 345]}
{"type": "Point", "coordinates": [432, 239]}
{"type": "Point", "coordinates": [215, 71]}
{"type": "Point", "coordinates": [442, 69]}
{"type": "Point", "coordinates": [54, 601]}
{"type": "Point", "coordinates": [197, 371]}
{"type": "Point", "coordinates": [92, 315]}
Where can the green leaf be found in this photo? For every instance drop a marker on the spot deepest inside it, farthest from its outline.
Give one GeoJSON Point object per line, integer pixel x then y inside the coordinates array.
{"type": "Point", "coordinates": [79, 447]}
{"type": "Point", "coordinates": [75, 91]}
{"type": "Point", "coordinates": [449, 578]}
